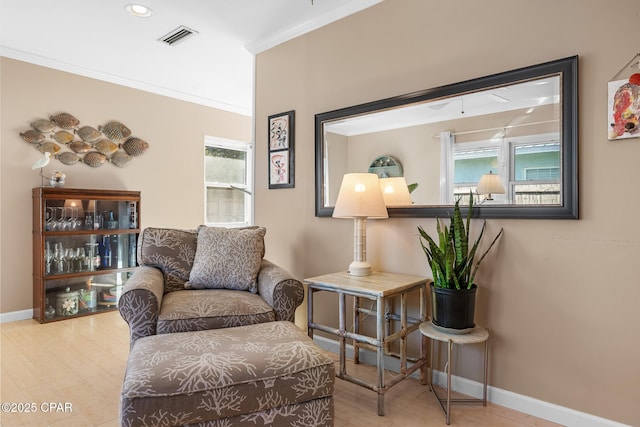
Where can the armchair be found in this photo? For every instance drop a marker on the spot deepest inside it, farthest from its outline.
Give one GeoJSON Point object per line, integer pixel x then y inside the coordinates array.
{"type": "Point", "coordinates": [208, 278]}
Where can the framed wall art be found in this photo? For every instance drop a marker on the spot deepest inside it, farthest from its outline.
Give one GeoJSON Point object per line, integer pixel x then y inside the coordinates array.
{"type": "Point", "coordinates": [281, 154]}
{"type": "Point", "coordinates": [624, 101]}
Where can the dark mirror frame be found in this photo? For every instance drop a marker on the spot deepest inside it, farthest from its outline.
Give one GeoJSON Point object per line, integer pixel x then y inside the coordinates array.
{"type": "Point", "coordinates": [566, 68]}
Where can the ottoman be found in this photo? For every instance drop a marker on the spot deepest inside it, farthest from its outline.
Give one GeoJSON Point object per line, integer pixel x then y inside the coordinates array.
{"type": "Point", "coordinates": [264, 374]}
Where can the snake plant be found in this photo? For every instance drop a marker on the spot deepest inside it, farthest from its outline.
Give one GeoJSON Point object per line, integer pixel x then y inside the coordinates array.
{"type": "Point", "coordinates": [452, 259]}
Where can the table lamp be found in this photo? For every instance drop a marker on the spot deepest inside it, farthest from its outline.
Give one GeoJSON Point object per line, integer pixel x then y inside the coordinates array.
{"type": "Point", "coordinates": [490, 184]}
{"type": "Point", "coordinates": [360, 198]}
{"type": "Point", "coordinates": [395, 191]}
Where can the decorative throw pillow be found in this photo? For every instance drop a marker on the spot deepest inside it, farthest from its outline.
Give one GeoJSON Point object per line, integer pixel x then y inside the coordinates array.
{"type": "Point", "coordinates": [227, 258]}
{"type": "Point", "coordinates": [170, 250]}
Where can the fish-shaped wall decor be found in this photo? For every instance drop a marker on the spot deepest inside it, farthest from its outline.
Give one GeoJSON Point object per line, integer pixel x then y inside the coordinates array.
{"type": "Point", "coordinates": [63, 137]}
{"type": "Point", "coordinates": [135, 146]}
{"type": "Point", "coordinates": [49, 146]}
{"type": "Point", "coordinates": [111, 143]}
{"type": "Point", "coordinates": [88, 134]}
{"type": "Point", "coordinates": [65, 120]}
{"type": "Point", "coordinates": [115, 131]}
{"type": "Point", "coordinates": [105, 147]}
{"type": "Point", "coordinates": [32, 136]}
{"type": "Point", "coordinates": [120, 158]}
{"type": "Point", "coordinates": [68, 158]}
{"type": "Point", "coordinates": [94, 159]}
{"type": "Point", "coordinates": [43, 125]}
{"type": "Point", "coordinates": [80, 146]}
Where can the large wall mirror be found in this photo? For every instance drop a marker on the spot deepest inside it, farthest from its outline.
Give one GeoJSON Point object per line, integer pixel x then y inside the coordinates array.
{"type": "Point", "coordinates": [509, 140]}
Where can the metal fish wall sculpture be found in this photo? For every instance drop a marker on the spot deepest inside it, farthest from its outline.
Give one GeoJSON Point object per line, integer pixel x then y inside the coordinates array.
{"type": "Point", "coordinates": [106, 147]}
{"type": "Point", "coordinates": [43, 125]}
{"type": "Point", "coordinates": [111, 143]}
{"type": "Point", "coordinates": [88, 134]}
{"type": "Point", "coordinates": [115, 131]}
{"type": "Point", "coordinates": [32, 136]}
{"type": "Point", "coordinates": [65, 121]}
{"type": "Point", "coordinates": [80, 146]}
{"type": "Point", "coordinates": [120, 158]}
{"type": "Point", "coordinates": [94, 159]}
{"type": "Point", "coordinates": [68, 158]}
{"type": "Point", "coordinates": [49, 146]}
{"type": "Point", "coordinates": [63, 137]}
{"type": "Point", "coordinates": [135, 146]}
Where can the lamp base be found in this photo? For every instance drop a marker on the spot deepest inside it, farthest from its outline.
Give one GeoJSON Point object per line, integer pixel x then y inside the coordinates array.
{"type": "Point", "coordinates": [359, 268]}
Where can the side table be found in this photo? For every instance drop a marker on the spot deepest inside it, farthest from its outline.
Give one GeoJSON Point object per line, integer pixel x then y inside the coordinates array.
{"type": "Point", "coordinates": [477, 335]}
{"type": "Point", "coordinates": [380, 288]}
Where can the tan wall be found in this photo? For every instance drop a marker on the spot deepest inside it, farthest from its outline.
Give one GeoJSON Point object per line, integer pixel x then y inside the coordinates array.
{"type": "Point", "coordinates": [561, 297]}
{"type": "Point", "coordinates": [170, 174]}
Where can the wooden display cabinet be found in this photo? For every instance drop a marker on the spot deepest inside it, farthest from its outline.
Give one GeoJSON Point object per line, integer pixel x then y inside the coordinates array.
{"type": "Point", "coordinates": [84, 250]}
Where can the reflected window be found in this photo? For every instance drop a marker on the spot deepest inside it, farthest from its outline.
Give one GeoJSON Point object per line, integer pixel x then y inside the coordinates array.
{"type": "Point", "coordinates": [529, 168]}
{"type": "Point", "coordinates": [470, 165]}
{"type": "Point", "coordinates": [227, 169]}
{"type": "Point", "coordinates": [536, 171]}
{"type": "Point", "coordinates": [471, 161]}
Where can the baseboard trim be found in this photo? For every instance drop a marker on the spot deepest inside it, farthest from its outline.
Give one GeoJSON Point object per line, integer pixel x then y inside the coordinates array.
{"type": "Point", "coordinates": [14, 316]}
{"type": "Point", "coordinates": [518, 402]}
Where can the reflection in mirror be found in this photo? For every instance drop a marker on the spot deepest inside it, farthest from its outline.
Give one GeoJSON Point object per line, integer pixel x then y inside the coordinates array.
{"type": "Point", "coordinates": [517, 129]}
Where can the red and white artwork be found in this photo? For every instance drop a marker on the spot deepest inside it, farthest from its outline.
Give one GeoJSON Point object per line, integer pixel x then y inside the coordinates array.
{"type": "Point", "coordinates": [624, 108]}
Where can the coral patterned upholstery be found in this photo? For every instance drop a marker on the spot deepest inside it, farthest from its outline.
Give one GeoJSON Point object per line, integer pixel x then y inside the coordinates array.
{"type": "Point", "coordinates": [157, 298]}
{"type": "Point", "coordinates": [268, 374]}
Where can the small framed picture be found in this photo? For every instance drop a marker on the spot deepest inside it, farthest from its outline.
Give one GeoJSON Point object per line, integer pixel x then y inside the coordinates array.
{"type": "Point", "coordinates": [281, 142]}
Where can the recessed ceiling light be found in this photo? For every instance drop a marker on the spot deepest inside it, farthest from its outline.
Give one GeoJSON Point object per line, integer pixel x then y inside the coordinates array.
{"type": "Point", "coordinates": [138, 10]}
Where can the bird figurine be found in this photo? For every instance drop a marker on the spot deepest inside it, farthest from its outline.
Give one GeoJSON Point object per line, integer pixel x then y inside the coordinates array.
{"type": "Point", "coordinates": [41, 163]}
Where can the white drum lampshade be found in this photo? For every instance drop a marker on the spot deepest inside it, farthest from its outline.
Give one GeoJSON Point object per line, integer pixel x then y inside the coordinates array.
{"type": "Point", "coordinates": [360, 197]}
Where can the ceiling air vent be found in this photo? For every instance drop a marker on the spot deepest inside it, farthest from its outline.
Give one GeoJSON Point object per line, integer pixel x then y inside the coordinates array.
{"type": "Point", "coordinates": [178, 35]}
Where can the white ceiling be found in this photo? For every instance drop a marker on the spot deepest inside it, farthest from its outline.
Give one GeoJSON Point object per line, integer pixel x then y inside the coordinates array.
{"type": "Point", "coordinates": [99, 39]}
{"type": "Point", "coordinates": [521, 96]}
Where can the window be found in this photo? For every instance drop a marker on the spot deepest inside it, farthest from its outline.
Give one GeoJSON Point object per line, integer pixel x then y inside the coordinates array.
{"type": "Point", "coordinates": [470, 165]}
{"type": "Point", "coordinates": [227, 182]}
{"type": "Point", "coordinates": [528, 166]}
{"type": "Point", "coordinates": [536, 172]}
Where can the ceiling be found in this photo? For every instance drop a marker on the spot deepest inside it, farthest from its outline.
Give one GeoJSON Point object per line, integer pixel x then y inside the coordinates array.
{"type": "Point", "coordinates": [100, 39]}
{"type": "Point", "coordinates": [525, 96]}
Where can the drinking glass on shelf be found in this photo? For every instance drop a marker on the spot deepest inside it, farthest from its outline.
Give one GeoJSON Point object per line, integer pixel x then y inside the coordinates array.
{"type": "Point", "coordinates": [78, 260]}
{"type": "Point", "coordinates": [48, 258]}
{"type": "Point", "coordinates": [62, 222]}
{"type": "Point", "coordinates": [71, 222]}
{"type": "Point", "coordinates": [93, 258]}
{"type": "Point", "coordinates": [88, 222]}
{"type": "Point", "coordinates": [79, 221]}
{"type": "Point", "coordinates": [99, 221]}
{"type": "Point", "coordinates": [69, 255]}
{"type": "Point", "coordinates": [58, 263]}
{"type": "Point", "coordinates": [51, 224]}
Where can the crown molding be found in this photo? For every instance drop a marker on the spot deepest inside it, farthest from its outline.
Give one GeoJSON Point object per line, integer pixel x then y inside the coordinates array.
{"type": "Point", "coordinates": [119, 80]}
{"type": "Point", "coordinates": [313, 24]}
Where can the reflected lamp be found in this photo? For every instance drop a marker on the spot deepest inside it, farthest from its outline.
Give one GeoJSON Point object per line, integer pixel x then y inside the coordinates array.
{"type": "Point", "coordinates": [395, 191]}
{"type": "Point", "coordinates": [360, 197]}
{"type": "Point", "coordinates": [490, 184]}
{"type": "Point", "coordinates": [77, 204]}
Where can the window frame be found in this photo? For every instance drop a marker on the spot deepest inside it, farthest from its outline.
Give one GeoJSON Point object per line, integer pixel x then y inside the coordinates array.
{"type": "Point", "coordinates": [247, 188]}
{"type": "Point", "coordinates": [506, 150]}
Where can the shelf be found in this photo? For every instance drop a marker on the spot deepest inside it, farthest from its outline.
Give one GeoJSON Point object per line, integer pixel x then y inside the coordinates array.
{"type": "Point", "coordinates": [101, 232]}
{"type": "Point", "coordinates": [80, 290]}
{"type": "Point", "coordinates": [88, 273]}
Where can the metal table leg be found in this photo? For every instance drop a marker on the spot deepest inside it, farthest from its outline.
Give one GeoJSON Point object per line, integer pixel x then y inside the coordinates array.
{"type": "Point", "coordinates": [450, 348]}
{"type": "Point", "coordinates": [380, 351]}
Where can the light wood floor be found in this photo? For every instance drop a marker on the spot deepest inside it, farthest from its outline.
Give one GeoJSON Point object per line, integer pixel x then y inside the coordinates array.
{"type": "Point", "coordinates": [80, 362]}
